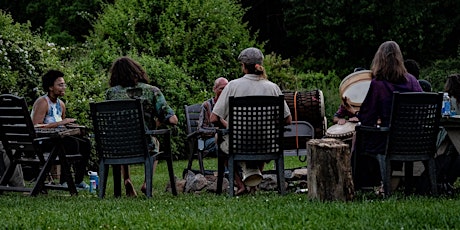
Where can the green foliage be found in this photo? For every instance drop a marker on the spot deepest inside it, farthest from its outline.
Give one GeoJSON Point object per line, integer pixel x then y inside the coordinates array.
{"type": "Point", "coordinates": [438, 72]}
{"type": "Point", "coordinates": [24, 57]}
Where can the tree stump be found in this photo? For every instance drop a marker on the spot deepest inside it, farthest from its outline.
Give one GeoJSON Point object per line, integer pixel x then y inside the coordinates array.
{"type": "Point", "coordinates": [329, 170]}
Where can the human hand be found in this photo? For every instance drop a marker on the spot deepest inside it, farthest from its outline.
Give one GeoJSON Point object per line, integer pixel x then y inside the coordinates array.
{"type": "Point", "coordinates": [67, 121]}
{"type": "Point", "coordinates": [341, 121]}
{"type": "Point", "coordinates": [354, 119]}
{"type": "Point", "coordinates": [347, 105]}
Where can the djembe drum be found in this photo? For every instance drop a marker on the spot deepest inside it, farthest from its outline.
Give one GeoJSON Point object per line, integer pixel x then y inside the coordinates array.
{"type": "Point", "coordinates": [309, 106]}
{"type": "Point", "coordinates": [343, 132]}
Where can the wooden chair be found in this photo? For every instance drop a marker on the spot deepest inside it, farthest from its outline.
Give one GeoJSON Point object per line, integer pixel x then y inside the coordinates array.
{"type": "Point", "coordinates": [195, 137]}
{"type": "Point", "coordinates": [121, 138]}
{"type": "Point", "coordinates": [255, 132]}
{"type": "Point", "coordinates": [411, 136]}
{"type": "Point", "coordinates": [23, 146]}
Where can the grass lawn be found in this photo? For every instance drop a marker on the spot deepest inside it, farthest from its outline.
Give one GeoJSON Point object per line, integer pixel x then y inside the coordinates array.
{"type": "Point", "coordinates": [265, 210]}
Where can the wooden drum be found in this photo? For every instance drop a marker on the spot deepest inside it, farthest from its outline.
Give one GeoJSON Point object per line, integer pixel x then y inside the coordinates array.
{"type": "Point", "coordinates": [355, 86]}
{"type": "Point", "coordinates": [310, 108]}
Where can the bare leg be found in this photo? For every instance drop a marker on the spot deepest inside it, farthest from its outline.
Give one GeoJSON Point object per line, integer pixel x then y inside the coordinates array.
{"type": "Point", "coordinates": [128, 184]}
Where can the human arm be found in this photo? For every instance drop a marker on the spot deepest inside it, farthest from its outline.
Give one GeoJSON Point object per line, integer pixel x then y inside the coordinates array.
{"type": "Point", "coordinates": [39, 111]}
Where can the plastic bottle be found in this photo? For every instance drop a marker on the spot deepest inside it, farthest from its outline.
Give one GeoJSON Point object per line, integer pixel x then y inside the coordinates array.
{"type": "Point", "coordinates": [93, 181]}
{"type": "Point", "coordinates": [446, 105]}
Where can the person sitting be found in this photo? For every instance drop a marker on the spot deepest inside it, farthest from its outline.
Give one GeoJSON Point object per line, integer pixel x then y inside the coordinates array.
{"type": "Point", "coordinates": [413, 68]}
{"type": "Point", "coordinates": [129, 80]}
{"type": "Point", "coordinates": [205, 113]}
{"type": "Point", "coordinates": [254, 82]}
{"type": "Point", "coordinates": [342, 115]}
{"type": "Point", "coordinates": [49, 111]}
{"type": "Point", "coordinates": [388, 75]}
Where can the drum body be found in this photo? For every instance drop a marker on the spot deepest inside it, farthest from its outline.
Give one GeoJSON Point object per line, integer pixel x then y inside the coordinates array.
{"type": "Point", "coordinates": [355, 86]}
{"type": "Point", "coordinates": [342, 132]}
{"type": "Point", "coordinates": [310, 108]}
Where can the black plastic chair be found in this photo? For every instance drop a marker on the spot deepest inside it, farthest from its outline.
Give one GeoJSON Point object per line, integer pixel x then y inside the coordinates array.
{"type": "Point", "coordinates": [24, 147]}
{"type": "Point", "coordinates": [196, 137]}
{"type": "Point", "coordinates": [121, 138]}
{"type": "Point", "coordinates": [411, 136]}
{"type": "Point", "coordinates": [255, 131]}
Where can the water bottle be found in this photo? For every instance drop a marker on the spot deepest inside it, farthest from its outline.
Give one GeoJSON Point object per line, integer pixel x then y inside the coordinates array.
{"type": "Point", "coordinates": [93, 181]}
{"type": "Point", "coordinates": [446, 105]}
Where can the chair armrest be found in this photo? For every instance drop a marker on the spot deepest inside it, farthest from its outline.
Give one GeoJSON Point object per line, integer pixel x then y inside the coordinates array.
{"type": "Point", "coordinates": [158, 131]}
{"type": "Point", "coordinates": [222, 132]}
{"type": "Point", "coordinates": [364, 128]}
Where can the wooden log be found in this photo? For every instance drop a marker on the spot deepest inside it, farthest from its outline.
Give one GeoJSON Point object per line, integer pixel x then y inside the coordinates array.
{"type": "Point", "coordinates": [329, 170]}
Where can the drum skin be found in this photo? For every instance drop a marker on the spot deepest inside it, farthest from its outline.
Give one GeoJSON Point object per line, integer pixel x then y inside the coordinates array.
{"type": "Point", "coordinates": [355, 87]}
{"type": "Point", "coordinates": [344, 131]}
{"type": "Point", "coordinates": [310, 108]}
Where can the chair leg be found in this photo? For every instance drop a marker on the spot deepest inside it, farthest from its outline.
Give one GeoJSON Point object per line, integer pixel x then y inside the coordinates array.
{"type": "Point", "coordinates": [200, 162]}
{"type": "Point", "coordinates": [385, 172]}
{"type": "Point", "coordinates": [116, 180]}
{"type": "Point", "coordinates": [432, 171]}
{"type": "Point", "coordinates": [408, 176]}
{"type": "Point", "coordinates": [280, 175]}
{"type": "Point", "coordinates": [148, 169]}
{"type": "Point", "coordinates": [39, 183]}
{"type": "Point", "coordinates": [231, 176]}
{"type": "Point", "coordinates": [172, 178]}
{"type": "Point", "coordinates": [104, 172]}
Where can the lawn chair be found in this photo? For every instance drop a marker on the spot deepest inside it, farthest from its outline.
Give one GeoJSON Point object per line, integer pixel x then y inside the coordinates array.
{"type": "Point", "coordinates": [256, 127]}
{"type": "Point", "coordinates": [24, 147]}
{"type": "Point", "coordinates": [296, 136]}
{"type": "Point", "coordinates": [411, 136]}
{"type": "Point", "coordinates": [196, 137]}
{"type": "Point", "coordinates": [121, 138]}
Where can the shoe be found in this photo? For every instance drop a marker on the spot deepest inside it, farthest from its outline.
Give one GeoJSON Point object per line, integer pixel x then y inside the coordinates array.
{"type": "Point", "coordinates": [82, 186]}
{"type": "Point", "coordinates": [64, 185]}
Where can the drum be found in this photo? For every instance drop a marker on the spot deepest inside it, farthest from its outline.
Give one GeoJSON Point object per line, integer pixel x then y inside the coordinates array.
{"type": "Point", "coordinates": [341, 132]}
{"type": "Point", "coordinates": [355, 87]}
{"type": "Point", "coordinates": [310, 108]}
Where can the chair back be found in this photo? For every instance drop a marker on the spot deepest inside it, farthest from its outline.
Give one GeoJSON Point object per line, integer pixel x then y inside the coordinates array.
{"type": "Point", "coordinates": [256, 125]}
{"type": "Point", "coordinates": [296, 136]}
{"type": "Point", "coordinates": [119, 129]}
{"type": "Point", "coordinates": [192, 115]}
{"type": "Point", "coordinates": [414, 123]}
{"type": "Point", "coordinates": [16, 128]}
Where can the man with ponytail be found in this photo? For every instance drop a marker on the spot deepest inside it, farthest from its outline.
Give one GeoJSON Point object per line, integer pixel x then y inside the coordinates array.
{"type": "Point", "coordinates": [253, 83]}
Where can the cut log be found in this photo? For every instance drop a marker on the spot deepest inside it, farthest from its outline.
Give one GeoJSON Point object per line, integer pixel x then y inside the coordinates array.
{"type": "Point", "coordinates": [329, 170]}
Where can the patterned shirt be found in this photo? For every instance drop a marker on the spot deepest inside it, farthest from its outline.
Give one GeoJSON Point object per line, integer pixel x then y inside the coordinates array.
{"type": "Point", "coordinates": [153, 102]}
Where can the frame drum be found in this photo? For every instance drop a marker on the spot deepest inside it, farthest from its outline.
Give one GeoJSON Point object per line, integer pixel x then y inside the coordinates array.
{"type": "Point", "coordinates": [355, 86]}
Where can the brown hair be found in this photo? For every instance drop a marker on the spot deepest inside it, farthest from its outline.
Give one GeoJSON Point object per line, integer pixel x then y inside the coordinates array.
{"type": "Point", "coordinates": [452, 86]}
{"type": "Point", "coordinates": [256, 69]}
{"type": "Point", "coordinates": [127, 73]}
{"type": "Point", "coordinates": [388, 63]}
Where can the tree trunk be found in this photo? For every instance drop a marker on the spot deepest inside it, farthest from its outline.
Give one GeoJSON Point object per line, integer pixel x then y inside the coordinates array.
{"type": "Point", "coordinates": [329, 170]}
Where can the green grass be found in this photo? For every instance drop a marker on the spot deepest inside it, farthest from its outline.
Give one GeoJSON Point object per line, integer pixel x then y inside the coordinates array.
{"type": "Point", "coordinates": [265, 210]}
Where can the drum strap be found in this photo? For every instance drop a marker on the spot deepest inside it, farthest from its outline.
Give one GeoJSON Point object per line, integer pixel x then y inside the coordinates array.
{"type": "Point", "coordinates": [296, 129]}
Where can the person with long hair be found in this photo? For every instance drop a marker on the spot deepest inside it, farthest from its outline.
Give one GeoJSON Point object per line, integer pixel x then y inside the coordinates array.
{"type": "Point", "coordinates": [254, 82]}
{"type": "Point", "coordinates": [129, 80]}
{"type": "Point", "coordinates": [388, 75]}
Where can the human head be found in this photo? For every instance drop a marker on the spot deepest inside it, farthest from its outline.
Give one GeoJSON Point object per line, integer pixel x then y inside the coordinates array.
{"type": "Point", "coordinates": [426, 85]}
{"type": "Point", "coordinates": [127, 73]}
{"type": "Point", "coordinates": [53, 83]}
{"type": "Point", "coordinates": [219, 85]}
{"type": "Point", "coordinates": [388, 63]}
{"type": "Point", "coordinates": [452, 86]}
{"type": "Point", "coordinates": [252, 60]}
{"type": "Point", "coordinates": [412, 67]}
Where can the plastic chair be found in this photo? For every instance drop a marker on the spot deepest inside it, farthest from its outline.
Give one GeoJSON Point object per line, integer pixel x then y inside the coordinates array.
{"type": "Point", "coordinates": [195, 137]}
{"type": "Point", "coordinates": [121, 138]}
{"type": "Point", "coordinates": [411, 136]}
{"type": "Point", "coordinates": [24, 147]}
{"type": "Point", "coordinates": [296, 136]}
{"type": "Point", "coordinates": [255, 131]}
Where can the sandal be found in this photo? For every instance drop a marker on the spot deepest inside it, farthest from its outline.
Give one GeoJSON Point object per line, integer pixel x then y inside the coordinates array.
{"type": "Point", "coordinates": [130, 192]}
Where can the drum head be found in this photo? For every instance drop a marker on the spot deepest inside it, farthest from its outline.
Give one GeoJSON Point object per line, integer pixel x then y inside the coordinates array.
{"type": "Point", "coordinates": [345, 130]}
{"type": "Point", "coordinates": [355, 86]}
